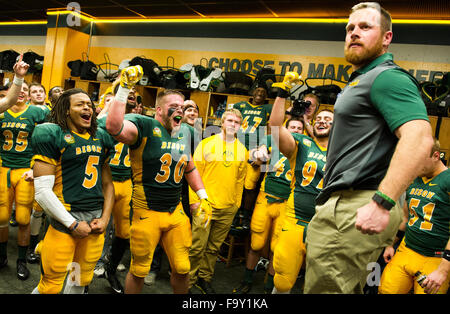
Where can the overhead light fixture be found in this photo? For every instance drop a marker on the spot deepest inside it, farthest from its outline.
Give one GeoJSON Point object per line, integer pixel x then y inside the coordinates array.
{"type": "Point", "coordinates": [24, 23]}
{"type": "Point", "coordinates": [89, 18]}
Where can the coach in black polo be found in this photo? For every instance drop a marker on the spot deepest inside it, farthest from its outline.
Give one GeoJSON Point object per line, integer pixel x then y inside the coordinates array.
{"type": "Point", "coordinates": [379, 140]}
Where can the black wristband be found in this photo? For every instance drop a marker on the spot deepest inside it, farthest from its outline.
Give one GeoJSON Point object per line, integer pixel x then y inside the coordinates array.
{"type": "Point", "coordinates": [446, 255]}
{"type": "Point", "coordinates": [381, 201]}
{"type": "Point", "coordinates": [282, 93]}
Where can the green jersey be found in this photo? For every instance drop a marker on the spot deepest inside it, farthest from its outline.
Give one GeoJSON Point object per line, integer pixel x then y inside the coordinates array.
{"type": "Point", "coordinates": [78, 159]}
{"type": "Point", "coordinates": [278, 177]}
{"type": "Point", "coordinates": [428, 228]}
{"type": "Point", "coordinates": [16, 135]}
{"type": "Point", "coordinates": [255, 119]}
{"type": "Point", "coordinates": [158, 161]}
{"type": "Point", "coordinates": [119, 158]}
{"type": "Point", "coordinates": [308, 162]}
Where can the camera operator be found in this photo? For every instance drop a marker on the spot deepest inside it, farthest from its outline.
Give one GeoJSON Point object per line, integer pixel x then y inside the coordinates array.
{"type": "Point", "coordinates": [310, 112]}
{"type": "Point", "coordinates": [305, 108]}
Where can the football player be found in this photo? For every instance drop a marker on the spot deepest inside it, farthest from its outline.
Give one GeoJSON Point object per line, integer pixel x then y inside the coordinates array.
{"type": "Point", "coordinates": [119, 162]}
{"type": "Point", "coordinates": [17, 123]}
{"type": "Point", "coordinates": [425, 247]}
{"type": "Point", "coordinates": [160, 155]}
{"type": "Point", "coordinates": [74, 187]}
{"type": "Point", "coordinates": [269, 209]}
{"type": "Point", "coordinates": [307, 158]}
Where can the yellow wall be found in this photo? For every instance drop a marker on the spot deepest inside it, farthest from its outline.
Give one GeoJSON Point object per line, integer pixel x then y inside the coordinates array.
{"type": "Point", "coordinates": [338, 67]}
{"type": "Point", "coordinates": [62, 45]}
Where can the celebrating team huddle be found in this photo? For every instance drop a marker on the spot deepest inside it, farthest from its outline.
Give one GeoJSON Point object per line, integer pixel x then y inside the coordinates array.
{"type": "Point", "coordinates": [330, 194]}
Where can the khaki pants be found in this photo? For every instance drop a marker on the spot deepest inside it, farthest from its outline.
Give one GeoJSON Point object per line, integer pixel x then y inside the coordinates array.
{"type": "Point", "coordinates": [206, 242]}
{"type": "Point", "coordinates": [337, 254]}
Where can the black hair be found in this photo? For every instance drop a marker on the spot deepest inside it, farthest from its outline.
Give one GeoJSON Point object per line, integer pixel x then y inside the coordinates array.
{"type": "Point", "coordinates": [62, 106]}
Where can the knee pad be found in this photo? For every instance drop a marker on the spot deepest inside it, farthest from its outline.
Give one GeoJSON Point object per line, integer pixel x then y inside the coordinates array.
{"type": "Point", "coordinates": [182, 267]}
{"type": "Point", "coordinates": [49, 287]}
{"type": "Point", "coordinates": [258, 241]}
{"type": "Point", "coordinates": [23, 215]}
{"type": "Point", "coordinates": [282, 283]}
{"type": "Point", "coordinates": [4, 219]}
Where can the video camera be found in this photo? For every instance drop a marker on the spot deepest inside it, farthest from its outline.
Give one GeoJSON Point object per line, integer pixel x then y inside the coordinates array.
{"type": "Point", "coordinates": [299, 107]}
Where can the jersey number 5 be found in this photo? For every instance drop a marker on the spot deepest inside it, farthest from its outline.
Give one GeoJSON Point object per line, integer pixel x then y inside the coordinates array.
{"type": "Point", "coordinates": [91, 172]}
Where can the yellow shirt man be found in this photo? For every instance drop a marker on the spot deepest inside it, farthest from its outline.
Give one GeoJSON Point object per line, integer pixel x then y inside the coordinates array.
{"type": "Point", "coordinates": [222, 163]}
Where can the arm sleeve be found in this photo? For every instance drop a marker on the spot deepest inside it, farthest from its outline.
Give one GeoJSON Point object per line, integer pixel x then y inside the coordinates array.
{"type": "Point", "coordinates": [396, 96]}
{"type": "Point", "coordinates": [46, 198]}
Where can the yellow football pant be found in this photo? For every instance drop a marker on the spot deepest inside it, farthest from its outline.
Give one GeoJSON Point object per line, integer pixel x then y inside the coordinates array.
{"type": "Point", "coordinates": [398, 275]}
{"type": "Point", "coordinates": [289, 254]}
{"type": "Point", "coordinates": [60, 252]}
{"type": "Point", "coordinates": [14, 188]}
{"type": "Point", "coordinates": [148, 227]}
{"type": "Point", "coordinates": [266, 218]}
{"type": "Point", "coordinates": [121, 209]}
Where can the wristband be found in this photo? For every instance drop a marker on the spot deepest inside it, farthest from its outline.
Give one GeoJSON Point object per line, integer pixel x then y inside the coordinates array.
{"type": "Point", "coordinates": [387, 204]}
{"type": "Point", "coordinates": [253, 154]}
{"type": "Point", "coordinates": [282, 93]}
{"type": "Point", "coordinates": [201, 194]}
{"type": "Point", "coordinates": [122, 94]}
{"type": "Point", "coordinates": [18, 81]}
{"type": "Point", "coordinates": [446, 255]}
{"type": "Point", "coordinates": [74, 227]}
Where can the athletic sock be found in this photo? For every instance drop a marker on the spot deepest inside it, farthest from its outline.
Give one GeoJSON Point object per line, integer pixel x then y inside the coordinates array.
{"type": "Point", "coordinates": [248, 276]}
{"type": "Point", "coordinates": [268, 285]}
{"type": "Point", "coordinates": [34, 239]}
{"type": "Point", "coordinates": [3, 249]}
{"type": "Point", "coordinates": [22, 254]}
{"type": "Point", "coordinates": [119, 245]}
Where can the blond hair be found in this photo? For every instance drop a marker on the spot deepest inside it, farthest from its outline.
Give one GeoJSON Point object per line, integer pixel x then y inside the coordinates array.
{"type": "Point", "coordinates": [234, 111]}
{"type": "Point", "coordinates": [385, 22]}
{"type": "Point", "coordinates": [164, 93]}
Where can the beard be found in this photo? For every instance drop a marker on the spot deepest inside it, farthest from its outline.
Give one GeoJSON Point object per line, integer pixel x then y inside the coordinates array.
{"type": "Point", "coordinates": [366, 55]}
{"type": "Point", "coordinates": [321, 135]}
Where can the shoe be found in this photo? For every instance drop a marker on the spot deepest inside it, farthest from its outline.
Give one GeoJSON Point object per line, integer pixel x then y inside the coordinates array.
{"type": "Point", "coordinates": [112, 279]}
{"type": "Point", "coordinates": [22, 271]}
{"type": "Point", "coordinates": [263, 263]}
{"type": "Point", "coordinates": [121, 267]}
{"type": "Point", "coordinates": [150, 278]}
{"type": "Point", "coordinates": [99, 271]}
{"type": "Point", "coordinates": [205, 286]}
{"type": "Point", "coordinates": [3, 261]}
{"type": "Point", "coordinates": [13, 222]}
{"type": "Point", "coordinates": [244, 288]}
{"type": "Point", "coordinates": [32, 257]}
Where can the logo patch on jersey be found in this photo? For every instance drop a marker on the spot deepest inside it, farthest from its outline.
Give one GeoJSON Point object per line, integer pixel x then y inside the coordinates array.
{"type": "Point", "coordinates": [157, 132]}
{"type": "Point", "coordinates": [69, 138]}
{"type": "Point", "coordinates": [354, 83]}
{"type": "Point", "coordinates": [306, 142]}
